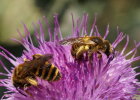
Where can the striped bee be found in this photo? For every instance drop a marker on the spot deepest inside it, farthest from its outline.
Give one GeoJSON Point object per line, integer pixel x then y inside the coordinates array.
{"type": "Point", "coordinates": [24, 75]}
{"type": "Point", "coordinates": [88, 45]}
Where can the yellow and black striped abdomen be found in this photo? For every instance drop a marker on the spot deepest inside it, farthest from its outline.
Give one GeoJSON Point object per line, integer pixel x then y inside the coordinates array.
{"type": "Point", "coordinates": [48, 72]}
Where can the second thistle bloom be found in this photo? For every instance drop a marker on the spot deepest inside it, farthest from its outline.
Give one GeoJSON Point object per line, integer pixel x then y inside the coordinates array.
{"type": "Point", "coordinates": [106, 78]}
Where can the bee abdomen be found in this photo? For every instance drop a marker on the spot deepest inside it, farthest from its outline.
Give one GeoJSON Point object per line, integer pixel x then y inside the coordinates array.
{"type": "Point", "coordinates": [58, 76]}
{"type": "Point", "coordinates": [53, 74]}
{"type": "Point", "coordinates": [50, 73]}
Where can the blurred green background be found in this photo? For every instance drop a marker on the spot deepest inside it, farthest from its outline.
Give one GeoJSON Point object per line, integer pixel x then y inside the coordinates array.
{"type": "Point", "coordinates": [122, 13]}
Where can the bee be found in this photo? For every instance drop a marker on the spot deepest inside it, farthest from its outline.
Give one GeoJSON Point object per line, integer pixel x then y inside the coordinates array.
{"type": "Point", "coordinates": [24, 75]}
{"type": "Point", "coordinates": [88, 45]}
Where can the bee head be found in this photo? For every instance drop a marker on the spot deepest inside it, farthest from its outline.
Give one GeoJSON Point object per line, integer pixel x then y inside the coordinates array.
{"type": "Point", "coordinates": [21, 85]}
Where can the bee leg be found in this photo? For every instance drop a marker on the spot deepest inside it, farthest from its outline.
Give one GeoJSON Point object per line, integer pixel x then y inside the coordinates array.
{"type": "Point", "coordinates": [79, 53]}
{"type": "Point", "coordinates": [99, 55]}
{"type": "Point", "coordinates": [32, 81]}
{"type": "Point", "coordinates": [28, 93]}
{"type": "Point", "coordinates": [20, 91]}
{"type": "Point", "coordinates": [90, 55]}
{"type": "Point", "coordinates": [73, 54]}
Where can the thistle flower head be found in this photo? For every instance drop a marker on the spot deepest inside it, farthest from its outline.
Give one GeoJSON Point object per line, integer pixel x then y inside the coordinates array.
{"type": "Point", "coordinates": [106, 78]}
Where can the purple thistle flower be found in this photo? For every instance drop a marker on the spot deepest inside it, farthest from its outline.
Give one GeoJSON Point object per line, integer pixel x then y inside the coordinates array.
{"type": "Point", "coordinates": [103, 79]}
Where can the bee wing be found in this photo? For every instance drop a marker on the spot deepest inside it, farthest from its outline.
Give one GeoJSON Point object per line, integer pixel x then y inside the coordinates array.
{"type": "Point", "coordinates": [71, 41]}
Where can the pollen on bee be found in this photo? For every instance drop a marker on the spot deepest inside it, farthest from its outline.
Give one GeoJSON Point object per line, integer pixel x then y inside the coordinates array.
{"type": "Point", "coordinates": [32, 81]}
{"type": "Point", "coordinates": [86, 47]}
